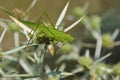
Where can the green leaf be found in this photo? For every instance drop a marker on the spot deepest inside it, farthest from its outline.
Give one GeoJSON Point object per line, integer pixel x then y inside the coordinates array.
{"type": "Point", "coordinates": [51, 32]}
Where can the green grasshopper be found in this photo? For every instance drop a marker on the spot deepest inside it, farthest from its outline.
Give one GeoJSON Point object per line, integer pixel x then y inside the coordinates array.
{"type": "Point", "coordinates": [50, 32]}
